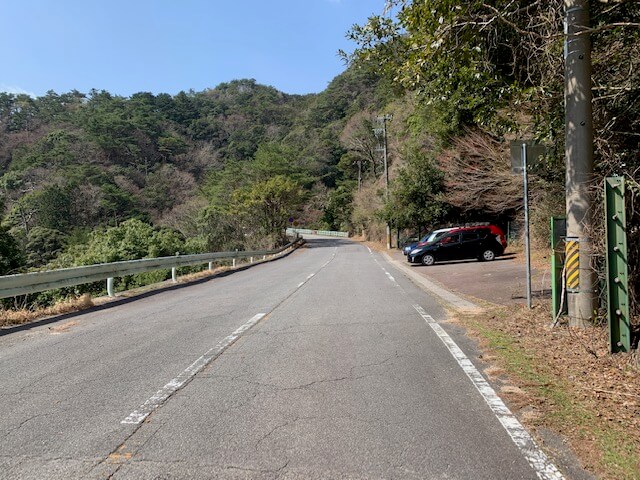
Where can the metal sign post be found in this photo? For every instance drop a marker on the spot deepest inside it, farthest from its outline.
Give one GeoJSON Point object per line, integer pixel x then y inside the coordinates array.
{"type": "Point", "coordinates": [527, 246]}
{"type": "Point", "coordinates": [523, 154]}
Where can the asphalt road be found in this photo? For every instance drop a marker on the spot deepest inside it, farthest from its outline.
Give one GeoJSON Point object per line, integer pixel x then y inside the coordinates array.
{"type": "Point", "coordinates": [502, 281]}
{"type": "Point", "coordinates": [317, 365]}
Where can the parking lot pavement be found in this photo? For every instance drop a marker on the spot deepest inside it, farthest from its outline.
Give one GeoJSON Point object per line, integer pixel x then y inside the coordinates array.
{"type": "Point", "coordinates": [502, 281]}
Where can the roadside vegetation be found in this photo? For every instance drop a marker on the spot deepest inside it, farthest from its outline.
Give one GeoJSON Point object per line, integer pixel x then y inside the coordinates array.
{"type": "Point", "coordinates": [93, 177]}
{"type": "Point", "coordinates": [566, 382]}
{"type": "Point", "coordinates": [474, 76]}
{"type": "Point", "coordinates": [82, 174]}
{"type": "Point", "coordinates": [228, 167]}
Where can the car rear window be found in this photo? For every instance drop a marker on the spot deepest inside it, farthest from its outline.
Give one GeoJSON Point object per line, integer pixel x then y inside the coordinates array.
{"type": "Point", "coordinates": [468, 236]}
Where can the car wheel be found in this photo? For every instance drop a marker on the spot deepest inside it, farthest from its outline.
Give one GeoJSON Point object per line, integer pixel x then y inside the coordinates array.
{"type": "Point", "coordinates": [428, 260]}
{"type": "Point", "coordinates": [488, 255]}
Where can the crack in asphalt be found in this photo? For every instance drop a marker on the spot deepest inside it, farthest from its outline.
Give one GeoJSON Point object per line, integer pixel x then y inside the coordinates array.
{"type": "Point", "coordinates": [277, 470]}
{"type": "Point", "coordinates": [25, 421]}
{"type": "Point", "coordinates": [259, 470]}
{"type": "Point", "coordinates": [350, 376]}
{"type": "Point", "coordinates": [87, 462]}
{"type": "Point", "coordinates": [122, 448]}
{"type": "Point", "coordinates": [30, 384]}
{"type": "Point", "coordinates": [274, 429]}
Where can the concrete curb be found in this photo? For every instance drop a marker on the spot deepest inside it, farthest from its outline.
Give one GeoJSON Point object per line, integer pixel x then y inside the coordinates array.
{"type": "Point", "coordinates": [449, 297]}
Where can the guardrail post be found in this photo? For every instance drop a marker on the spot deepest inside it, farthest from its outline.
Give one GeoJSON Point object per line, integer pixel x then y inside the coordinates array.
{"type": "Point", "coordinates": [174, 271]}
{"type": "Point", "coordinates": [558, 294]}
{"type": "Point", "coordinates": [33, 282]}
{"type": "Point", "coordinates": [210, 265]}
{"type": "Point", "coordinates": [264, 257]}
{"type": "Point", "coordinates": [617, 266]}
{"type": "Point", "coordinates": [251, 260]}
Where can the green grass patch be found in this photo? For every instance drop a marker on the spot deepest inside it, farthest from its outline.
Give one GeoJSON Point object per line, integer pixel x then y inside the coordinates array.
{"type": "Point", "coordinates": [616, 454]}
{"type": "Point", "coordinates": [619, 455]}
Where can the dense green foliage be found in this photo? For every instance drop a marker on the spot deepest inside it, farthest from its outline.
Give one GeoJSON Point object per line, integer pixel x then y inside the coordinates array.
{"type": "Point", "coordinates": [86, 177]}
{"type": "Point", "coordinates": [10, 255]}
{"type": "Point", "coordinates": [416, 195]}
{"type": "Point", "coordinates": [496, 70]}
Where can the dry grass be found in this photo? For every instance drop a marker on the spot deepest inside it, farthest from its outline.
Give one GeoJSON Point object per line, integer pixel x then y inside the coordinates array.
{"type": "Point", "coordinates": [494, 372]}
{"type": "Point", "coordinates": [375, 246]}
{"type": "Point", "coordinates": [564, 380]}
{"type": "Point", "coordinates": [85, 301]}
{"type": "Point", "coordinates": [17, 317]}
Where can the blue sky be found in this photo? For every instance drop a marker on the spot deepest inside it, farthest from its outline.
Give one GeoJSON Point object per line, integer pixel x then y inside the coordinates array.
{"type": "Point", "coordinates": [165, 46]}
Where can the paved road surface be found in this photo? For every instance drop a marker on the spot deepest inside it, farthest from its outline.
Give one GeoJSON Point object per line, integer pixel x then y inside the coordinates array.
{"type": "Point", "coordinates": [318, 365]}
{"type": "Point", "coordinates": [502, 281]}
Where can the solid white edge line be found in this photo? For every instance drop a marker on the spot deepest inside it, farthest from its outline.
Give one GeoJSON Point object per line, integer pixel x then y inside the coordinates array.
{"type": "Point", "coordinates": [538, 460]}
{"type": "Point", "coordinates": [187, 374]}
{"type": "Point", "coordinates": [385, 271]}
{"type": "Point", "coordinates": [443, 293]}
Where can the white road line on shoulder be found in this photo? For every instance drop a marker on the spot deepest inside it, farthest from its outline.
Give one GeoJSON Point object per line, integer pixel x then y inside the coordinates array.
{"type": "Point", "coordinates": [181, 380]}
{"type": "Point", "coordinates": [543, 467]}
{"type": "Point", "coordinates": [389, 276]}
{"type": "Point", "coordinates": [458, 302]}
{"type": "Point", "coordinates": [369, 250]}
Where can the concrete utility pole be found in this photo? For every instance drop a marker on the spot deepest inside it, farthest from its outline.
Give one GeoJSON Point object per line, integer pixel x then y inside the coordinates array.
{"type": "Point", "coordinates": [384, 119]}
{"type": "Point", "coordinates": [581, 296]}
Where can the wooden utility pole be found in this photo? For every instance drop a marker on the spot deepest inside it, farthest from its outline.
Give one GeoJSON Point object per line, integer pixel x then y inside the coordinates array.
{"type": "Point", "coordinates": [581, 279]}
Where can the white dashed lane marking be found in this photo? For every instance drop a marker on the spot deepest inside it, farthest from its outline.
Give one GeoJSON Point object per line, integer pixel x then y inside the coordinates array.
{"type": "Point", "coordinates": [161, 396]}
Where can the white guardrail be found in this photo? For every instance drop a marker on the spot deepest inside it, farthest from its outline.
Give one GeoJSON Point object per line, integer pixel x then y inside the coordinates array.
{"type": "Point", "coordinates": [326, 233]}
{"type": "Point", "coordinates": [24, 283]}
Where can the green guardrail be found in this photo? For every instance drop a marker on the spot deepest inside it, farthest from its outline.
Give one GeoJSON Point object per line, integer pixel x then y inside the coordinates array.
{"type": "Point", "coordinates": [617, 266]}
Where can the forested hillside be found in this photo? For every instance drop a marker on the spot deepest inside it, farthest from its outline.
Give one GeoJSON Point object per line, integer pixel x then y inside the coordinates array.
{"type": "Point", "coordinates": [92, 177]}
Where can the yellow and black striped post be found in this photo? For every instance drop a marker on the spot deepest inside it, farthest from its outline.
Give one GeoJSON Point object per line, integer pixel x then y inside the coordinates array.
{"type": "Point", "coordinates": [572, 265]}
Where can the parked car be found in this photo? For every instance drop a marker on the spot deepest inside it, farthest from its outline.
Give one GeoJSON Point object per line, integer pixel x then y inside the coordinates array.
{"type": "Point", "coordinates": [408, 241]}
{"type": "Point", "coordinates": [499, 234]}
{"type": "Point", "coordinates": [429, 237]}
{"type": "Point", "coordinates": [482, 242]}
